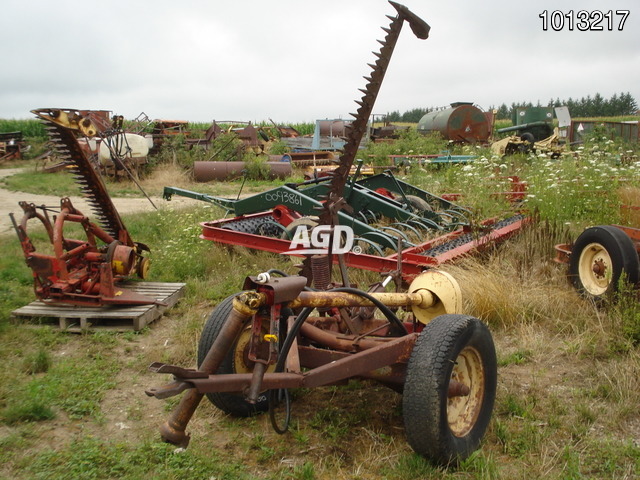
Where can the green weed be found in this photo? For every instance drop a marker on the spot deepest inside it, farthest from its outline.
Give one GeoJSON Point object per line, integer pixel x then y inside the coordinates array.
{"type": "Point", "coordinates": [27, 410]}
{"type": "Point", "coordinates": [515, 358]}
{"type": "Point", "coordinates": [38, 362]}
{"type": "Point", "coordinates": [75, 385]}
{"type": "Point", "coordinates": [60, 184]}
{"type": "Point", "coordinates": [98, 459]}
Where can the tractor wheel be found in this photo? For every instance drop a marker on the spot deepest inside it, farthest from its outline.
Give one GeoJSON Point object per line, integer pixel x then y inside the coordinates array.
{"type": "Point", "coordinates": [599, 257]}
{"type": "Point", "coordinates": [450, 388]}
{"type": "Point", "coordinates": [235, 362]}
{"type": "Point", "coordinates": [419, 204]}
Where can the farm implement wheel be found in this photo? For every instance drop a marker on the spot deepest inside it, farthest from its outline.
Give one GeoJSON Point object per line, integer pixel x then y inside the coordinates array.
{"type": "Point", "coordinates": [236, 361]}
{"type": "Point", "coordinates": [419, 204]}
{"type": "Point", "coordinates": [598, 259]}
{"type": "Point", "coordinates": [450, 388]}
{"type": "Point", "coordinates": [290, 230]}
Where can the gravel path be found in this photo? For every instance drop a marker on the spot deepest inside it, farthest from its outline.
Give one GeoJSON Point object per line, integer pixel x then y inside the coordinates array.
{"type": "Point", "coordinates": [9, 203]}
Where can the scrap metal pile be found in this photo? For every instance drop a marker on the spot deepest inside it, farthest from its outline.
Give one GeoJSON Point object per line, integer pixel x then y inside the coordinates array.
{"type": "Point", "coordinates": [11, 146]}
{"type": "Point", "coordinates": [87, 271]}
{"type": "Point", "coordinates": [285, 332]}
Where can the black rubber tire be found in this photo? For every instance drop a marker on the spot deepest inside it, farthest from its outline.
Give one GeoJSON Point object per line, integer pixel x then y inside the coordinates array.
{"type": "Point", "coordinates": [426, 400]}
{"type": "Point", "coordinates": [418, 204]}
{"type": "Point", "coordinates": [528, 137]}
{"type": "Point", "coordinates": [230, 403]}
{"type": "Point", "coordinates": [623, 258]}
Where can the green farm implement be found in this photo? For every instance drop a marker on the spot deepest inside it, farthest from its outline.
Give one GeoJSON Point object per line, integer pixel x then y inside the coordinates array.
{"type": "Point", "coordinates": [409, 213]}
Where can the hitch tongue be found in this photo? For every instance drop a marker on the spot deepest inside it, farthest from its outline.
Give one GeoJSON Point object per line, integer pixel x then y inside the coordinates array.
{"type": "Point", "coordinates": [179, 384]}
{"type": "Point", "coordinates": [245, 306]}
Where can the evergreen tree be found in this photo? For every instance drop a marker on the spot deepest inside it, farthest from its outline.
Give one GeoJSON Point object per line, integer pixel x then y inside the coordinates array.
{"type": "Point", "coordinates": [503, 112]}
{"type": "Point", "coordinates": [628, 104]}
{"type": "Point", "coordinates": [392, 116]}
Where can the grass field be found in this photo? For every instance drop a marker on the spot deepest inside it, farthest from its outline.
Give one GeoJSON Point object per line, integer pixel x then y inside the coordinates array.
{"type": "Point", "coordinates": [73, 406]}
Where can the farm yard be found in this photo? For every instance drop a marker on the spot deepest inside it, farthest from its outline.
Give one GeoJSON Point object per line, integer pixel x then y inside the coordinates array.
{"type": "Point", "coordinates": [447, 293]}
{"type": "Point", "coordinates": [74, 405]}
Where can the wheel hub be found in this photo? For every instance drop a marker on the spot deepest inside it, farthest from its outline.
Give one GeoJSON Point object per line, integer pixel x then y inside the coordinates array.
{"type": "Point", "coordinates": [466, 392]}
{"type": "Point", "coordinates": [599, 268]}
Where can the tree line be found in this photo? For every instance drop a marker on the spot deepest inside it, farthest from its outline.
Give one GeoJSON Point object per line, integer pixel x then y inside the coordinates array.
{"type": "Point", "coordinates": [596, 106]}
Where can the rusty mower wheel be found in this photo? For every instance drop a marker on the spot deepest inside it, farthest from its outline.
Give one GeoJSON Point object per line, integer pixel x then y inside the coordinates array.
{"type": "Point", "coordinates": [599, 257]}
{"type": "Point", "coordinates": [235, 362]}
{"type": "Point", "coordinates": [450, 388]}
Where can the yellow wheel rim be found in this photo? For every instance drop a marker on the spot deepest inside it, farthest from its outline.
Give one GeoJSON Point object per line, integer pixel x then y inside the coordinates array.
{"type": "Point", "coordinates": [466, 392]}
{"type": "Point", "coordinates": [595, 269]}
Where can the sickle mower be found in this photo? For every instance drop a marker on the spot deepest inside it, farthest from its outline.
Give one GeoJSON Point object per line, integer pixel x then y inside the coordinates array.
{"type": "Point", "coordinates": [81, 272]}
{"type": "Point", "coordinates": [282, 332]}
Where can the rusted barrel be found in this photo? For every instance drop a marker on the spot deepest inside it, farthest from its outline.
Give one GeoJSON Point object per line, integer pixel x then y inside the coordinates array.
{"type": "Point", "coordinates": [333, 128]}
{"type": "Point", "coordinates": [461, 123]}
{"type": "Point", "coordinates": [207, 171]}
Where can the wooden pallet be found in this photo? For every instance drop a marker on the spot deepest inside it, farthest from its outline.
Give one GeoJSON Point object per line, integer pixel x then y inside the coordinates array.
{"type": "Point", "coordinates": [73, 318]}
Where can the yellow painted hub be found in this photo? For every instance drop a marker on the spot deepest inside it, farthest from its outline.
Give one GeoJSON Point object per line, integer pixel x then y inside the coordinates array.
{"type": "Point", "coordinates": [445, 290]}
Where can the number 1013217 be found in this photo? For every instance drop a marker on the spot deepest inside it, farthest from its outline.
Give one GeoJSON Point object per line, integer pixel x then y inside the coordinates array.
{"type": "Point", "coordinates": [584, 20]}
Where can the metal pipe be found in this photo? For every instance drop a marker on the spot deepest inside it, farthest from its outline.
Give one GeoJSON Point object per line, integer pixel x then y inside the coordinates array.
{"type": "Point", "coordinates": [245, 306]}
{"type": "Point", "coordinates": [256, 381]}
{"type": "Point", "coordinates": [342, 343]}
{"type": "Point", "coordinates": [422, 298]}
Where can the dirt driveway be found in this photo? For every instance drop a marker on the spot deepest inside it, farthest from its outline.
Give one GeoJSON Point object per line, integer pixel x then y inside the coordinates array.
{"type": "Point", "coordinates": [9, 203]}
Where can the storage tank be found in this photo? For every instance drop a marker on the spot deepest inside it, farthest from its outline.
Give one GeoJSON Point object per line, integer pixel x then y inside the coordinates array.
{"type": "Point", "coordinates": [462, 122]}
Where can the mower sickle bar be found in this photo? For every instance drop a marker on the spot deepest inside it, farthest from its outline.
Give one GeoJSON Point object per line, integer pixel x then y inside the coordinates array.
{"type": "Point", "coordinates": [61, 126]}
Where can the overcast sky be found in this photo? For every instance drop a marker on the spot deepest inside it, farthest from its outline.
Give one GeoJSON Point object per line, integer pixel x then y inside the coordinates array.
{"type": "Point", "coordinates": [298, 61]}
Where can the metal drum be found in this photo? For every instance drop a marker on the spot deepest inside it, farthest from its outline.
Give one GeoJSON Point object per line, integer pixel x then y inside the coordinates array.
{"type": "Point", "coordinates": [462, 122]}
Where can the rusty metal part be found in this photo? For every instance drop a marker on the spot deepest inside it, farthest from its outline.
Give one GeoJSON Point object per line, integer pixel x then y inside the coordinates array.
{"type": "Point", "coordinates": [396, 350]}
{"type": "Point", "coordinates": [274, 289]}
{"type": "Point", "coordinates": [457, 389]}
{"type": "Point", "coordinates": [421, 298]}
{"type": "Point", "coordinates": [11, 146]}
{"type": "Point", "coordinates": [321, 270]}
{"type": "Point", "coordinates": [339, 341]}
{"type": "Point", "coordinates": [244, 307]}
{"type": "Point", "coordinates": [208, 171]}
{"type": "Point", "coordinates": [285, 131]}
{"type": "Point", "coordinates": [374, 81]}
